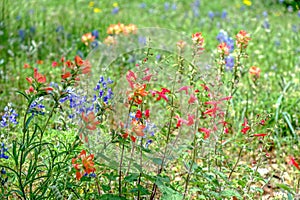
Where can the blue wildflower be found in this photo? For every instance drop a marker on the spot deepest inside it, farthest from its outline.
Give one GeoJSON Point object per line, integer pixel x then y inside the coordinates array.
{"type": "Point", "coordinates": [22, 34]}
{"type": "Point", "coordinates": [224, 14]}
{"type": "Point", "coordinates": [211, 15]}
{"type": "Point", "coordinates": [115, 10]}
{"type": "Point", "coordinates": [142, 40]}
{"type": "Point", "coordinates": [143, 5]}
{"type": "Point", "coordinates": [2, 152]}
{"type": "Point", "coordinates": [95, 33]}
{"type": "Point", "coordinates": [167, 6]}
{"type": "Point", "coordinates": [229, 60]}
{"type": "Point", "coordinates": [148, 143]}
{"type": "Point", "coordinates": [3, 171]}
{"type": "Point", "coordinates": [10, 116]}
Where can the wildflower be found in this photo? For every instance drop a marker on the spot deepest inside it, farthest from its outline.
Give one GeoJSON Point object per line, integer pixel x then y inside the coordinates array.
{"type": "Point", "coordinates": [10, 116]}
{"type": "Point", "coordinates": [192, 99]}
{"type": "Point", "coordinates": [161, 94]}
{"type": "Point", "coordinates": [2, 152]}
{"type": "Point", "coordinates": [97, 10]}
{"type": "Point", "coordinates": [137, 127]}
{"type": "Point", "coordinates": [148, 143]}
{"type": "Point", "coordinates": [25, 66]}
{"type": "Point", "coordinates": [138, 114]}
{"type": "Point", "coordinates": [242, 39]}
{"type": "Point", "coordinates": [184, 88]}
{"type": "Point", "coordinates": [293, 162]}
{"type": "Point", "coordinates": [260, 135]}
{"type": "Point", "coordinates": [211, 15]}
{"type": "Point", "coordinates": [190, 120]}
{"type": "Point", "coordinates": [181, 44]}
{"type": "Point", "coordinates": [224, 14]}
{"type": "Point", "coordinates": [39, 77]}
{"type": "Point", "coordinates": [83, 164]}
{"type": "Point", "coordinates": [247, 2]}
{"type": "Point", "coordinates": [87, 38]}
{"type": "Point", "coordinates": [198, 39]}
{"type": "Point", "coordinates": [137, 94]}
{"type": "Point", "coordinates": [110, 40]}
{"type": "Point", "coordinates": [229, 62]}
{"type": "Point", "coordinates": [246, 126]}
{"type": "Point", "coordinates": [255, 71]}
{"type": "Point", "coordinates": [54, 64]}
{"type": "Point", "coordinates": [90, 120]}
{"type": "Point", "coordinates": [205, 131]}
{"type": "Point", "coordinates": [180, 121]}
{"type": "Point", "coordinates": [223, 49]}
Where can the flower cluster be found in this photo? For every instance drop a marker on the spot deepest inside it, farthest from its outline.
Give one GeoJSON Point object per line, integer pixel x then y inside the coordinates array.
{"type": "Point", "coordinates": [37, 83]}
{"type": "Point", "coordinates": [37, 107]}
{"type": "Point", "coordinates": [83, 164]}
{"type": "Point", "coordinates": [10, 116]}
{"type": "Point", "coordinates": [254, 72]}
{"type": "Point", "coordinates": [115, 29]}
{"type": "Point", "coordinates": [105, 92]}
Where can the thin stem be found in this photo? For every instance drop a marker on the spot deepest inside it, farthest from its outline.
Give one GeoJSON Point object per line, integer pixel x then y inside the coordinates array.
{"type": "Point", "coordinates": [120, 171]}
{"type": "Point", "coordinates": [193, 159]}
{"type": "Point", "coordinates": [236, 163]}
{"type": "Point", "coordinates": [164, 154]}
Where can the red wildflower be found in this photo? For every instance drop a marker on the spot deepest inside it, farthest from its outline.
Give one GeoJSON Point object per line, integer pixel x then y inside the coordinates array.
{"type": "Point", "coordinates": [147, 113]}
{"type": "Point", "coordinates": [190, 120]}
{"type": "Point", "coordinates": [90, 120]}
{"type": "Point", "coordinates": [198, 39]}
{"type": "Point", "coordinates": [293, 162]}
{"type": "Point", "coordinates": [223, 48]}
{"type": "Point", "coordinates": [192, 99]}
{"type": "Point", "coordinates": [205, 131]}
{"type": "Point", "coordinates": [242, 39]}
{"type": "Point", "coordinates": [180, 121]}
{"type": "Point", "coordinates": [133, 139]}
{"type": "Point", "coordinates": [131, 78]}
{"type": "Point", "coordinates": [78, 61]}
{"type": "Point", "coordinates": [161, 94]}
{"type": "Point", "coordinates": [137, 127]}
{"type": "Point", "coordinates": [66, 75]}
{"type": "Point", "coordinates": [246, 127]}
{"type": "Point", "coordinates": [29, 79]}
{"type": "Point", "coordinates": [83, 164]}
{"type": "Point", "coordinates": [39, 77]}
{"type": "Point", "coordinates": [138, 114]}
{"type": "Point", "coordinates": [139, 91]}
{"type": "Point", "coordinates": [147, 78]}
{"type": "Point", "coordinates": [260, 135]}
{"type": "Point", "coordinates": [30, 90]}
{"type": "Point", "coordinates": [54, 64]}
{"type": "Point", "coordinates": [25, 66]}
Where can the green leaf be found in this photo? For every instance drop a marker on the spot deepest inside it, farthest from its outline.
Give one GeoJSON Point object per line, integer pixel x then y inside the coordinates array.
{"type": "Point", "coordinates": [285, 187]}
{"type": "Point", "coordinates": [105, 188]}
{"type": "Point", "coordinates": [230, 193]}
{"type": "Point", "coordinates": [111, 197]}
{"type": "Point", "coordinates": [131, 178]}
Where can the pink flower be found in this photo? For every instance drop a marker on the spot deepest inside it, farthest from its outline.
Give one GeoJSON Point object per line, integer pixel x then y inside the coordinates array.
{"type": "Point", "coordinates": [192, 99]}
{"type": "Point", "coordinates": [190, 120]}
{"type": "Point", "coordinates": [184, 88]}
{"type": "Point", "coordinates": [131, 78]}
{"type": "Point", "coordinates": [161, 95]}
{"type": "Point", "coordinates": [54, 64]}
{"type": "Point", "coordinates": [180, 121]}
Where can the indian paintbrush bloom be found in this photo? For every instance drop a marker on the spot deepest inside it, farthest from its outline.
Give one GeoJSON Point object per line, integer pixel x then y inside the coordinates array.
{"type": "Point", "coordinates": [87, 38]}
{"type": "Point", "coordinates": [223, 49]}
{"type": "Point", "coordinates": [83, 164]}
{"type": "Point", "coordinates": [255, 71]}
{"type": "Point", "coordinates": [246, 126]}
{"type": "Point", "coordinates": [242, 39]}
